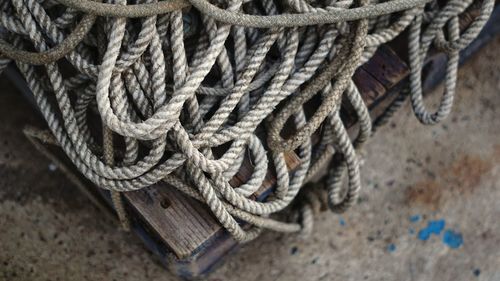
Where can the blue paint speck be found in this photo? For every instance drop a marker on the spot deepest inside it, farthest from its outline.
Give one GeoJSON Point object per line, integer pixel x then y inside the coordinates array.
{"type": "Point", "coordinates": [453, 239]}
{"type": "Point", "coordinates": [411, 231]}
{"type": "Point", "coordinates": [342, 222]}
{"type": "Point", "coordinates": [476, 272]}
{"type": "Point", "coordinates": [391, 248]}
{"type": "Point", "coordinates": [415, 218]}
{"type": "Point", "coordinates": [433, 227]}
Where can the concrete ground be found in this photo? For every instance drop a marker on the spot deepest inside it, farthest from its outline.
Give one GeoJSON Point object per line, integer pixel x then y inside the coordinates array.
{"type": "Point", "coordinates": [429, 208]}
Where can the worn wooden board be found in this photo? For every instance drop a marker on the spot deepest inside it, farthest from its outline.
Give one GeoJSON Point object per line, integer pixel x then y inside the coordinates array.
{"type": "Point", "coordinates": [183, 223]}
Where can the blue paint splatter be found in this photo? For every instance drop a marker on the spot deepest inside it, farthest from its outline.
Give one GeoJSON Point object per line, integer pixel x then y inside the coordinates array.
{"type": "Point", "coordinates": [453, 239]}
{"type": "Point", "coordinates": [415, 218]}
{"type": "Point", "coordinates": [476, 272]}
{"type": "Point", "coordinates": [342, 222]}
{"type": "Point", "coordinates": [391, 248]}
{"type": "Point", "coordinates": [433, 227]}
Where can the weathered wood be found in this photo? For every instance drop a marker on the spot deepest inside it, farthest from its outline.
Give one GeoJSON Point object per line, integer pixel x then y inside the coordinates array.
{"type": "Point", "coordinates": [371, 88]}
{"type": "Point", "coordinates": [374, 80]}
{"type": "Point", "coordinates": [183, 223]}
{"type": "Point", "coordinates": [386, 67]}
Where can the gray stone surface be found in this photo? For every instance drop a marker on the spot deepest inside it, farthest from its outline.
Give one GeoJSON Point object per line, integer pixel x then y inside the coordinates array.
{"type": "Point", "coordinates": [412, 175]}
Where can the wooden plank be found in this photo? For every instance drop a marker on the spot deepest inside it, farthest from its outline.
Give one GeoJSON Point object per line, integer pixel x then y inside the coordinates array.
{"type": "Point", "coordinates": [386, 67]}
{"type": "Point", "coordinates": [183, 223]}
{"type": "Point", "coordinates": [370, 87]}
{"type": "Point", "coordinates": [374, 80]}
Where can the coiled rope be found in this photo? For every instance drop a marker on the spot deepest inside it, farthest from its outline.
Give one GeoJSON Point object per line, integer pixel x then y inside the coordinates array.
{"type": "Point", "coordinates": [184, 91]}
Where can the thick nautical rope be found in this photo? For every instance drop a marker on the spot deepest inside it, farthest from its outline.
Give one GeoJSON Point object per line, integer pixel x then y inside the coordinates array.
{"type": "Point", "coordinates": [185, 91]}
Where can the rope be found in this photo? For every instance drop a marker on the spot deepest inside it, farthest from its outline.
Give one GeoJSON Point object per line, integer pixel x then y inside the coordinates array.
{"type": "Point", "coordinates": [186, 92]}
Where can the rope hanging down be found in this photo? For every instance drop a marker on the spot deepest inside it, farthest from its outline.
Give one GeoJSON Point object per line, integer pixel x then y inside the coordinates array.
{"type": "Point", "coordinates": [186, 90]}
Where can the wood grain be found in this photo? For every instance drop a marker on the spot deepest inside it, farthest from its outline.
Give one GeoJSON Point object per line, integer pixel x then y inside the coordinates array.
{"type": "Point", "coordinates": [183, 223]}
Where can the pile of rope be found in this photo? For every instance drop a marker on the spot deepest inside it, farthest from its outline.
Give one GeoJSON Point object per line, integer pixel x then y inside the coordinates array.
{"type": "Point", "coordinates": [185, 90]}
